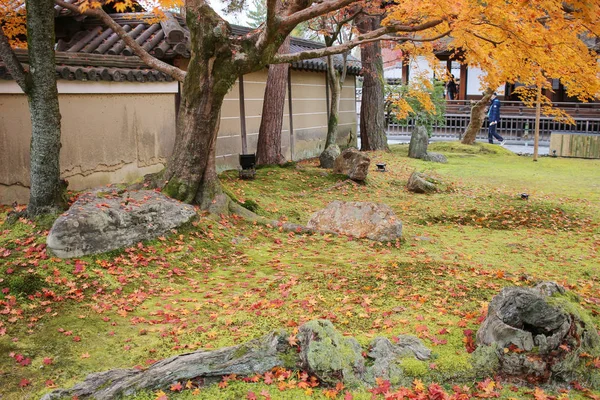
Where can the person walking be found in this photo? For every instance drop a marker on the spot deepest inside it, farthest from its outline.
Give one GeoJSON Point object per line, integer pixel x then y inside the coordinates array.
{"type": "Point", "coordinates": [451, 88]}
{"type": "Point", "coordinates": [493, 118]}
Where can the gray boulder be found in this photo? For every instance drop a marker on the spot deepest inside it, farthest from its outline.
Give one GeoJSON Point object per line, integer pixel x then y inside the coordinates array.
{"type": "Point", "coordinates": [387, 357]}
{"type": "Point", "coordinates": [106, 219]}
{"type": "Point", "coordinates": [353, 163]}
{"type": "Point", "coordinates": [371, 220]}
{"type": "Point", "coordinates": [435, 157]}
{"type": "Point", "coordinates": [538, 334]}
{"type": "Point", "coordinates": [418, 142]}
{"type": "Point", "coordinates": [421, 183]}
{"type": "Point", "coordinates": [329, 155]}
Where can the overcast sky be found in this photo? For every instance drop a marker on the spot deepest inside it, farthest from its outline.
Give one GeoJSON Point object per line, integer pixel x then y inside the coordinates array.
{"type": "Point", "coordinates": [237, 18]}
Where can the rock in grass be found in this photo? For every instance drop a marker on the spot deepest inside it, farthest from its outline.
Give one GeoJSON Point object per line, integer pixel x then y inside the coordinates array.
{"type": "Point", "coordinates": [435, 157]}
{"type": "Point", "coordinates": [419, 140]}
{"type": "Point", "coordinates": [328, 156]}
{"type": "Point", "coordinates": [371, 220]}
{"type": "Point", "coordinates": [421, 183]}
{"type": "Point", "coordinates": [353, 163]}
{"type": "Point", "coordinates": [539, 335]}
{"type": "Point", "coordinates": [387, 357]}
{"type": "Point", "coordinates": [107, 219]}
{"type": "Point", "coordinates": [328, 355]}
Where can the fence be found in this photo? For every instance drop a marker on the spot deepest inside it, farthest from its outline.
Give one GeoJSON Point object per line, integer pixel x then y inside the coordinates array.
{"type": "Point", "coordinates": [517, 122]}
{"type": "Point", "coordinates": [510, 127]}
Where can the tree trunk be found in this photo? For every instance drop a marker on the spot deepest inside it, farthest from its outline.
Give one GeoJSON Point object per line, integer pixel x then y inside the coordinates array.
{"type": "Point", "coordinates": [334, 80]}
{"type": "Point", "coordinates": [46, 189]}
{"type": "Point", "coordinates": [191, 174]}
{"type": "Point", "coordinates": [477, 117]}
{"type": "Point", "coordinates": [268, 149]}
{"type": "Point", "coordinates": [372, 117]}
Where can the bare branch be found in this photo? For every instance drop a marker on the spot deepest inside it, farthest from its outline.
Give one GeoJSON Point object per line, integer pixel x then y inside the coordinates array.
{"type": "Point", "coordinates": [313, 11]}
{"type": "Point", "coordinates": [372, 36]}
{"type": "Point", "coordinates": [478, 36]}
{"type": "Point", "coordinates": [149, 60]}
{"type": "Point", "coordinates": [13, 65]}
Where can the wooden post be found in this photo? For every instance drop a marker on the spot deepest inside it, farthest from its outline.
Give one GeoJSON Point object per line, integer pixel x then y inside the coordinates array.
{"type": "Point", "coordinates": [291, 113]}
{"type": "Point", "coordinates": [405, 70]}
{"type": "Point", "coordinates": [327, 93]}
{"type": "Point", "coordinates": [536, 136]}
{"type": "Point", "coordinates": [462, 92]}
{"type": "Point", "coordinates": [243, 116]}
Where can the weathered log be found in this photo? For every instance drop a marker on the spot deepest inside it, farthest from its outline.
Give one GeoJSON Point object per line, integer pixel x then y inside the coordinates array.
{"type": "Point", "coordinates": [85, 40]}
{"type": "Point", "coordinates": [255, 357]}
{"type": "Point", "coordinates": [324, 353]}
{"type": "Point", "coordinates": [142, 38]}
{"type": "Point", "coordinates": [174, 33]}
{"type": "Point", "coordinates": [538, 335]}
{"type": "Point", "coordinates": [96, 42]}
{"type": "Point", "coordinates": [114, 38]}
{"type": "Point", "coordinates": [120, 45]}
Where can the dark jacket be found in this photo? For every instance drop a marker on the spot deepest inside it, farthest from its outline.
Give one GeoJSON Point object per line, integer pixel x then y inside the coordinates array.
{"type": "Point", "coordinates": [494, 111]}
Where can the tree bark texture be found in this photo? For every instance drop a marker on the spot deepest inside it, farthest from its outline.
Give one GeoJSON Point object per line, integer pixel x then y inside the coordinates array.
{"type": "Point", "coordinates": [477, 117]}
{"type": "Point", "coordinates": [202, 367]}
{"type": "Point", "coordinates": [268, 148]}
{"type": "Point", "coordinates": [191, 174]}
{"type": "Point", "coordinates": [46, 189]}
{"type": "Point", "coordinates": [334, 78]}
{"type": "Point", "coordinates": [372, 108]}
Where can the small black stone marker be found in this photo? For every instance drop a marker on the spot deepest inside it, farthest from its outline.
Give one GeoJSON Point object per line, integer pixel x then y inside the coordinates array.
{"type": "Point", "coordinates": [247, 164]}
{"type": "Point", "coordinates": [524, 196]}
{"type": "Point", "coordinates": [553, 153]}
{"type": "Point", "coordinates": [380, 167]}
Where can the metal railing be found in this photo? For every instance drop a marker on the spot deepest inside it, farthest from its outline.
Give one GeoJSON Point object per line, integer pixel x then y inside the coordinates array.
{"type": "Point", "coordinates": [517, 122]}
{"type": "Point", "coordinates": [510, 126]}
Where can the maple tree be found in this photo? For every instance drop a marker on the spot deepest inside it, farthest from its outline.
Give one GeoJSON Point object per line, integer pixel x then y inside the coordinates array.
{"type": "Point", "coordinates": [335, 28]}
{"type": "Point", "coordinates": [218, 57]}
{"type": "Point", "coordinates": [39, 84]}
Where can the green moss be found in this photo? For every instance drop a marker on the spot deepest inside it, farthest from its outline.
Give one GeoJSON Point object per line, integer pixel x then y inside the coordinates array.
{"type": "Point", "coordinates": [290, 359]}
{"type": "Point", "coordinates": [24, 284]}
{"type": "Point", "coordinates": [333, 356]}
{"type": "Point", "coordinates": [413, 367]}
{"type": "Point", "coordinates": [485, 361]}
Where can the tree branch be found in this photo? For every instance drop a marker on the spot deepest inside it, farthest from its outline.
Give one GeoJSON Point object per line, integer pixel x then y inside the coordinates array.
{"type": "Point", "coordinates": [313, 11]}
{"type": "Point", "coordinates": [373, 36]}
{"type": "Point", "coordinates": [149, 60]}
{"type": "Point", "coordinates": [13, 65]}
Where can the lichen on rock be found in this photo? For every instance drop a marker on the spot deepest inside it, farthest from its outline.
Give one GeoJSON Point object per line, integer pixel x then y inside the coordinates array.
{"type": "Point", "coordinates": [538, 335]}
{"type": "Point", "coordinates": [329, 355]}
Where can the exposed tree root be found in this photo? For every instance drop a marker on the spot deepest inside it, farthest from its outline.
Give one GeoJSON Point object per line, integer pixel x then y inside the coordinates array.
{"type": "Point", "coordinates": [201, 367]}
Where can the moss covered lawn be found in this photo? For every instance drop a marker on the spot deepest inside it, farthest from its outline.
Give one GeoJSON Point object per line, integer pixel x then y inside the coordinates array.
{"type": "Point", "coordinates": [221, 282]}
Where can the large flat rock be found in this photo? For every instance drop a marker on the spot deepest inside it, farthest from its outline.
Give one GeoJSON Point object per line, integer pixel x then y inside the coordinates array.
{"type": "Point", "coordinates": [107, 219]}
{"type": "Point", "coordinates": [371, 220]}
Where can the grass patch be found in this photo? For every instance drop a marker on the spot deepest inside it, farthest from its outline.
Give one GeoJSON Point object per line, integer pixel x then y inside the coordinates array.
{"type": "Point", "coordinates": [221, 282]}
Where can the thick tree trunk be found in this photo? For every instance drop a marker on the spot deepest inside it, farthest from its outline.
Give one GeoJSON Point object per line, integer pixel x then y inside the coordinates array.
{"type": "Point", "coordinates": [46, 193]}
{"type": "Point", "coordinates": [477, 117]}
{"type": "Point", "coordinates": [191, 174]}
{"type": "Point", "coordinates": [372, 107]}
{"type": "Point", "coordinates": [268, 149]}
{"type": "Point", "coordinates": [334, 80]}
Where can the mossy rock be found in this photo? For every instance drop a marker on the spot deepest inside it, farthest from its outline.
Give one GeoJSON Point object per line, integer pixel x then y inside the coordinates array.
{"type": "Point", "coordinates": [330, 356]}
{"type": "Point", "coordinates": [539, 335]}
